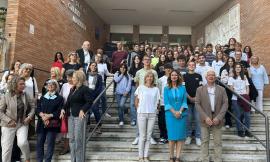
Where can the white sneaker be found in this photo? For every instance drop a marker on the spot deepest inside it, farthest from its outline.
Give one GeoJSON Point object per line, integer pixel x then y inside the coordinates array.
{"type": "Point", "coordinates": [227, 126]}
{"type": "Point", "coordinates": [107, 115]}
{"type": "Point", "coordinates": [153, 141]}
{"type": "Point", "coordinates": [92, 115]}
{"type": "Point", "coordinates": [136, 141]}
{"type": "Point", "coordinates": [188, 141]}
{"type": "Point", "coordinates": [198, 142]}
{"type": "Point", "coordinates": [121, 123]}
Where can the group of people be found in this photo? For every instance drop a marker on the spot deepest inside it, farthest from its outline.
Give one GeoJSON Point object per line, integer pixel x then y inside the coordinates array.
{"type": "Point", "coordinates": [176, 85]}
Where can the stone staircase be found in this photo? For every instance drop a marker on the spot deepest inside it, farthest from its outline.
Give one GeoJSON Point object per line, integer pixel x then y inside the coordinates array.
{"type": "Point", "coordinates": [114, 144]}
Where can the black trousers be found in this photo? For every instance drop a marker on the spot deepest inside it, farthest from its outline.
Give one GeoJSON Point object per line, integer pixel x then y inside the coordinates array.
{"type": "Point", "coordinates": [162, 123]}
{"type": "Point", "coordinates": [228, 120]}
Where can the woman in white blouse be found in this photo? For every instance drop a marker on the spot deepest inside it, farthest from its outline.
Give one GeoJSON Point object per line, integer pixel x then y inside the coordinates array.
{"type": "Point", "coordinates": [218, 63]}
{"type": "Point", "coordinates": [239, 83]}
{"type": "Point", "coordinates": [260, 79]}
{"type": "Point", "coordinates": [146, 102]}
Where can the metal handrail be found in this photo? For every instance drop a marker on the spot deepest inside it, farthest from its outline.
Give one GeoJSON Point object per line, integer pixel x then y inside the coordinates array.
{"type": "Point", "coordinates": [267, 145]}
{"type": "Point", "coordinates": [97, 124]}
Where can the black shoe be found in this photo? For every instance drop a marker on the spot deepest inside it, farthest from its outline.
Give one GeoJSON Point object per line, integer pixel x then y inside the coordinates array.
{"type": "Point", "coordinates": [241, 133]}
{"type": "Point", "coordinates": [248, 134]}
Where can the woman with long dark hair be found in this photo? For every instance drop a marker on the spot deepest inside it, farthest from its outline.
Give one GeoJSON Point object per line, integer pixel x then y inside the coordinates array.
{"type": "Point", "coordinates": [175, 100]}
{"type": "Point", "coordinates": [95, 82]}
{"type": "Point", "coordinates": [160, 65]}
{"type": "Point", "coordinates": [58, 60]}
{"type": "Point", "coordinates": [136, 66]}
{"type": "Point", "coordinates": [225, 73]}
{"type": "Point", "coordinates": [123, 86]}
{"type": "Point", "coordinates": [239, 83]}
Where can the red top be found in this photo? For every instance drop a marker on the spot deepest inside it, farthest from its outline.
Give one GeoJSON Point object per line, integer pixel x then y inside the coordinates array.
{"type": "Point", "coordinates": [117, 58]}
{"type": "Point", "coordinates": [58, 64]}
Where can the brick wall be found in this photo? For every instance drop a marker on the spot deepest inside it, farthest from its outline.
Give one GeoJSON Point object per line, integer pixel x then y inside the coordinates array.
{"type": "Point", "coordinates": [54, 31]}
{"type": "Point", "coordinates": [254, 28]}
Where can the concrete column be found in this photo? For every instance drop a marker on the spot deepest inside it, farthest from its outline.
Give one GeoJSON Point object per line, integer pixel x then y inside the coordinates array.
{"type": "Point", "coordinates": [165, 35]}
{"type": "Point", "coordinates": [136, 33]}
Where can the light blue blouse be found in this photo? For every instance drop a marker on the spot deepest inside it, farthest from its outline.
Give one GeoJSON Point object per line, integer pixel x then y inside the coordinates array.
{"type": "Point", "coordinates": [259, 77]}
{"type": "Point", "coordinates": [175, 98]}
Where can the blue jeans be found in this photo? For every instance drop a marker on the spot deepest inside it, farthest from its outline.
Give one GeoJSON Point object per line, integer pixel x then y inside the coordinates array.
{"type": "Point", "coordinates": [41, 138]}
{"type": "Point", "coordinates": [193, 115]}
{"type": "Point", "coordinates": [121, 100]}
{"type": "Point", "coordinates": [239, 113]}
{"type": "Point", "coordinates": [133, 112]}
{"type": "Point", "coordinates": [96, 112]}
{"type": "Point", "coordinates": [103, 100]}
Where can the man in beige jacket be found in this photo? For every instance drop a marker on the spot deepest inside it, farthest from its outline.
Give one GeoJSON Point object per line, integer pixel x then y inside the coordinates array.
{"type": "Point", "coordinates": [211, 102]}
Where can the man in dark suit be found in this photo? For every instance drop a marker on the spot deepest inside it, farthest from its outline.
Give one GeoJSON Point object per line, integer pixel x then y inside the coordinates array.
{"type": "Point", "coordinates": [85, 54]}
{"type": "Point", "coordinates": [211, 102]}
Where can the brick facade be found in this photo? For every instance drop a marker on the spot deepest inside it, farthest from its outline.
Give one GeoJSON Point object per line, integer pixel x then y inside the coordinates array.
{"type": "Point", "coordinates": [254, 28]}
{"type": "Point", "coordinates": [54, 30]}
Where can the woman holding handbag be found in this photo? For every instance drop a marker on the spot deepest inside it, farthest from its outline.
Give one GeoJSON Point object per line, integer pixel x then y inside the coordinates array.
{"type": "Point", "coordinates": [48, 125]}
{"type": "Point", "coordinates": [64, 92]}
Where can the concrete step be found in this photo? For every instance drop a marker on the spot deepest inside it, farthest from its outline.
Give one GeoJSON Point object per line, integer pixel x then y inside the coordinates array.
{"type": "Point", "coordinates": [155, 157]}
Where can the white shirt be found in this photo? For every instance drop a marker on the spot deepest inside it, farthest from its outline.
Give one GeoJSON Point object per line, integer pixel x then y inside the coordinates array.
{"type": "Point", "coordinates": [65, 91]}
{"type": "Point", "coordinates": [103, 70]}
{"type": "Point", "coordinates": [87, 58]}
{"type": "Point", "coordinates": [217, 66]}
{"type": "Point", "coordinates": [148, 99]}
{"type": "Point", "coordinates": [90, 82]}
{"type": "Point", "coordinates": [239, 86]}
{"type": "Point", "coordinates": [202, 71]}
{"type": "Point", "coordinates": [211, 93]}
{"type": "Point", "coordinates": [162, 83]}
{"type": "Point", "coordinates": [244, 56]}
{"type": "Point", "coordinates": [29, 87]}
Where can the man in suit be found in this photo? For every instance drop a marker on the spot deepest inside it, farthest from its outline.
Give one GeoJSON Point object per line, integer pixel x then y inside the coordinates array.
{"type": "Point", "coordinates": [211, 102]}
{"type": "Point", "coordinates": [85, 54]}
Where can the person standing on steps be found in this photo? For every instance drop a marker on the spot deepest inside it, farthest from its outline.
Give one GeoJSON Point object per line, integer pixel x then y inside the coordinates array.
{"type": "Point", "coordinates": [212, 103]}
{"type": "Point", "coordinates": [146, 102]}
{"type": "Point", "coordinates": [85, 55]}
{"type": "Point", "coordinates": [123, 86]}
{"type": "Point", "coordinates": [175, 101]}
{"type": "Point", "coordinates": [80, 99]}
{"type": "Point", "coordinates": [139, 79]}
{"type": "Point", "coordinates": [17, 109]}
{"type": "Point", "coordinates": [64, 92]}
{"type": "Point", "coordinates": [118, 57]}
{"type": "Point", "coordinates": [192, 82]}
{"type": "Point", "coordinates": [136, 66]}
{"type": "Point", "coordinates": [48, 125]}
{"type": "Point", "coordinates": [161, 114]}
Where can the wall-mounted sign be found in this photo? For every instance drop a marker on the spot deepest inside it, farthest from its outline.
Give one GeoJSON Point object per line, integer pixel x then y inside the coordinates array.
{"type": "Point", "coordinates": [76, 8]}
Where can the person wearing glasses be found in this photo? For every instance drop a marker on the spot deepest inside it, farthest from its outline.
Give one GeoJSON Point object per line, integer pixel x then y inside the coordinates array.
{"type": "Point", "coordinates": [73, 62]}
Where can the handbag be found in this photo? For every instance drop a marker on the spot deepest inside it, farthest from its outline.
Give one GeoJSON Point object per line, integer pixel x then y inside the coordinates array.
{"type": "Point", "coordinates": [53, 123]}
{"type": "Point", "coordinates": [64, 125]}
{"type": "Point", "coordinates": [245, 106]}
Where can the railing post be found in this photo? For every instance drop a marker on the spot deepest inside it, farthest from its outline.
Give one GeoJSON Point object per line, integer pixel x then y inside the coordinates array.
{"type": "Point", "coordinates": [267, 138]}
{"type": "Point", "coordinates": [84, 137]}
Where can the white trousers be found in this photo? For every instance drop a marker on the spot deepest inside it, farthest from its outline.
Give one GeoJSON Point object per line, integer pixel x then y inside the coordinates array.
{"type": "Point", "coordinates": [259, 100]}
{"type": "Point", "coordinates": [7, 139]}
